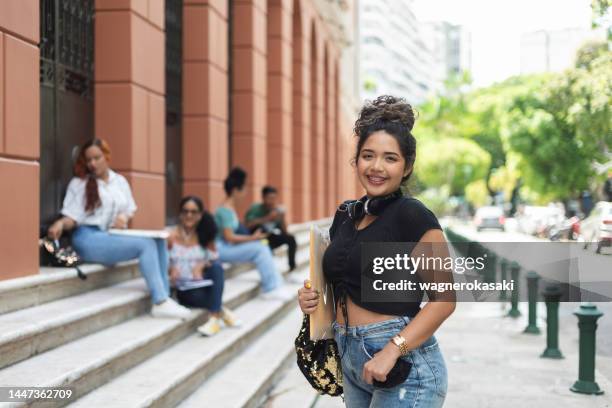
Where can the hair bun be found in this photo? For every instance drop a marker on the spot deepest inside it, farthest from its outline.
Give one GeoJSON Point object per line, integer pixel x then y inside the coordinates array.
{"type": "Point", "coordinates": [237, 174]}
{"type": "Point", "coordinates": [388, 108]}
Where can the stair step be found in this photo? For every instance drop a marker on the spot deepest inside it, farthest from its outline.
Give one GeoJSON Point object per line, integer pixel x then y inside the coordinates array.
{"type": "Point", "coordinates": [292, 391]}
{"type": "Point", "coordinates": [58, 283]}
{"type": "Point", "coordinates": [93, 360]}
{"type": "Point", "coordinates": [31, 331]}
{"type": "Point", "coordinates": [170, 376]}
{"type": "Point", "coordinates": [245, 381]}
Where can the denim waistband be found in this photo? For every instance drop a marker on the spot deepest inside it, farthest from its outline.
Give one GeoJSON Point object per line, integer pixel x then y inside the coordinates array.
{"type": "Point", "coordinates": [372, 328]}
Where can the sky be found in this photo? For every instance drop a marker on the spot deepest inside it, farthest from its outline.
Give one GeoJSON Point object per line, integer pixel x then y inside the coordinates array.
{"type": "Point", "coordinates": [497, 25]}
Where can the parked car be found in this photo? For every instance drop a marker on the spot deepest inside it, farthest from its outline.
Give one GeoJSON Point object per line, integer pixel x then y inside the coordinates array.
{"type": "Point", "coordinates": [597, 227]}
{"type": "Point", "coordinates": [489, 217]}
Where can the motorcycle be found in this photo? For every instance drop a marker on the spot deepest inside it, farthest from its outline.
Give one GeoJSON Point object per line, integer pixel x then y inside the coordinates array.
{"type": "Point", "coordinates": [567, 229]}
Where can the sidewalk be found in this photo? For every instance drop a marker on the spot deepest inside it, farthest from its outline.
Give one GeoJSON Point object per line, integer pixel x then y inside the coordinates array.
{"type": "Point", "coordinates": [491, 363]}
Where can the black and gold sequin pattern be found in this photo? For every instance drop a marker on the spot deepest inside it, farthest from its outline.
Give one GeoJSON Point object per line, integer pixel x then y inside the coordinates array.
{"type": "Point", "coordinates": [319, 361]}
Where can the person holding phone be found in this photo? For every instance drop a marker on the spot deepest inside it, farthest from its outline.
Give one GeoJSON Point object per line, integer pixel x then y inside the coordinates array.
{"type": "Point", "coordinates": [270, 217]}
{"type": "Point", "coordinates": [235, 247]}
{"type": "Point", "coordinates": [389, 354]}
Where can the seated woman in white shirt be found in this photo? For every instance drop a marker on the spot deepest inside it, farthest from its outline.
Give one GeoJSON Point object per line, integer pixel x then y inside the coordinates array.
{"type": "Point", "coordinates": [98, 199]}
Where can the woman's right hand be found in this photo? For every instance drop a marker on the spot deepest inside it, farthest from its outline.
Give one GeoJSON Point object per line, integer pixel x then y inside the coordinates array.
{"type": "Point", "coordinates": [308, 298]}
{"type": "Point", "coordinates": [55, 230]}
{"type": "Point", "coordinates": [259, 234]}
{"type": "Point", "coordinates": [174, 274]}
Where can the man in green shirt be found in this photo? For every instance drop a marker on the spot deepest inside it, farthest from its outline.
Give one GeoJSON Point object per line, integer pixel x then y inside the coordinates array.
{"type": "Point", "coordinates": [270, 217]}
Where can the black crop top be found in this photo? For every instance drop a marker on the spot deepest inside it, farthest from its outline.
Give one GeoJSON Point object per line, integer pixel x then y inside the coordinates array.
{"type": "Point", "coordinates": [404, 220]}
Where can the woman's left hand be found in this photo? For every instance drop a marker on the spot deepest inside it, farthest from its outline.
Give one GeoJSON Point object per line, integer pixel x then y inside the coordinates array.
{"type": "Point", "coordinates": [198, 271]}
{"type": "Point", "coordinates": [120, 222]}
{"type": "Point", "coordinates": [380, 365]}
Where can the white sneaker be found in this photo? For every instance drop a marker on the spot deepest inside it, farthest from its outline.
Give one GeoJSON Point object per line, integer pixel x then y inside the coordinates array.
{"type": "Point", "coordinates": [229, 318]}
{"type": "Point", "coordinates": [169, 308]}
{"type": "Point", "coordinates": [211, 327]}
{"type": "Point", "coordinates": [280, 293]}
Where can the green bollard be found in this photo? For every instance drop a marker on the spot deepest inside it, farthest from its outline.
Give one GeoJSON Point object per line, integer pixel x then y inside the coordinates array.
{"type": "Point", "coordinates": [532, 293]}
{"type": "Point", "coordinates": [587, 324]}
{"type": "Point", "coordinates": [503, 296]}
{"type": "Point", "coordinates": [484, 252]}
{"type": "Point", "coordinates": [514, 273]}
{"type": "Point", "coordinates": [491, 270]}
{"type": "Point", "coordinates": [552, 294]}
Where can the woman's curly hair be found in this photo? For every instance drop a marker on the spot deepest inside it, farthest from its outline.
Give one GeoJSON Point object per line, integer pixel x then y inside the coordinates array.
{"type": "Point", "coordinates": [393, 115]}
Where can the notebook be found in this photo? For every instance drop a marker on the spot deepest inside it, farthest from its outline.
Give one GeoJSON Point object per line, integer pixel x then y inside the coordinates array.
{"type": "Point", "coordinates": [322, 318]}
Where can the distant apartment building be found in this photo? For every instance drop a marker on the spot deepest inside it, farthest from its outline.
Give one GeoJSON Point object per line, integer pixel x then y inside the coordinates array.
{"type": "Point", "coordinates": [451, 47]}
{"type": "Point", "coordinates": [393, 56]}
{"type": "Point", "coordinates": [402, 56]}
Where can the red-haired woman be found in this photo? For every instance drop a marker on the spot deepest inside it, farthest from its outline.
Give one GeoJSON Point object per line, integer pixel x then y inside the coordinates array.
{"type": "Point", "coordinates": [98, 199]}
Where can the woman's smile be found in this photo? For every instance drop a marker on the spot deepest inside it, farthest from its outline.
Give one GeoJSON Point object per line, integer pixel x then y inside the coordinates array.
{"type": "Point", "coordinates": [376, 180]}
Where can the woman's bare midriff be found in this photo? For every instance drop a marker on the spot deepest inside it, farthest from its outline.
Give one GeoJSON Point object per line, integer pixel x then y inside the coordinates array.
{"type": "Point", "coordinates": [357, 315]}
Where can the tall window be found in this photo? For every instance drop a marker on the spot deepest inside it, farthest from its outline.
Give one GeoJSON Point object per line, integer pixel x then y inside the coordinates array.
{"type": "Point", "coordinates": [174, 69]}
{"type": "Point", "coordinates": [66, 94]}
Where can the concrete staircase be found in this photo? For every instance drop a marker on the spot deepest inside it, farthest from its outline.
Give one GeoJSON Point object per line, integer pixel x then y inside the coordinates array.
{"type": "Point", "coordinates": [96, 337]}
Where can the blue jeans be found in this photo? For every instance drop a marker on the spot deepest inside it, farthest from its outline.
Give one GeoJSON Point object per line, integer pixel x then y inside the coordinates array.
{"type": "Point", "coordinates": [208, 297]}
{"type": "Point", "coordinates": [257, 253]}
{"type": "Point", "coordinates": [97, 246]}
{"type": "Point", "coordinates": [425, 386]}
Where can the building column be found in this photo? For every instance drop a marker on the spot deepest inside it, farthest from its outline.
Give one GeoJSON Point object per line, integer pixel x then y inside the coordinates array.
{"type": "Point", "coordinates": [302, 165]}
{"type": "Point", "coordinates": [330, 137]}
{"type": "Point", "coordinates": [280, 92]}
{"type": "Point", "coordinates": [205, 99]}
{"type": "Point", "coordinates": [19, 137]}
{"type": "Point", "coordinates": [317, 125]}
{"type": "Point", "coordinates": [129, 99]}
{"type": "Point", "coordinates": [249, 95]}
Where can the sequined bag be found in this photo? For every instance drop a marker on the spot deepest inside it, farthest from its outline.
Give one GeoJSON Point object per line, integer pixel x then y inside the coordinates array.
{"type": "Point", "coordinates": [52, 253]}
{"type": "Point", "coordinates": [319, 361]}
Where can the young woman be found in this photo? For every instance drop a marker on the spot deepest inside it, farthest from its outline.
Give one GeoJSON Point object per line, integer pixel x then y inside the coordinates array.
{"type": "Point", "coordinates": [193, 256]}
{"type": "Point", "coordinates": [98, 199]}
{"type": "Point", "coordinates": [372, 336]}
{"type": "Point", "coordinates": [236, 247]}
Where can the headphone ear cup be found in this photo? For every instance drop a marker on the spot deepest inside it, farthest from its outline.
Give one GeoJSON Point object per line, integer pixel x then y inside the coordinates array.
{"type": "Point", "coordinates": [359, 211]}
{"type": "Point", "coordinates": [355, 210]}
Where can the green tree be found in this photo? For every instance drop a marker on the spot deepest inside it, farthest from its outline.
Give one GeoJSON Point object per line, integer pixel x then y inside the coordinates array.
{"type": "Point", "coordinates": [451, 162]}
{"type": "Point", "coordinates": [561, 129]}
{"type": "Point", "coordinates": [601, 15]}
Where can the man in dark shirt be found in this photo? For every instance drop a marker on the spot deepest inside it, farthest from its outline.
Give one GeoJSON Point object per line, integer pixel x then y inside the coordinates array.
{"type": "Point", "coordinates": [270, 217]}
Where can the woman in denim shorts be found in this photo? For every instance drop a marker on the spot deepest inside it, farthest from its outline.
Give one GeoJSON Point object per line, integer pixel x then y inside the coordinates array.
{"type": "Point", "coordinates": [389, 354]}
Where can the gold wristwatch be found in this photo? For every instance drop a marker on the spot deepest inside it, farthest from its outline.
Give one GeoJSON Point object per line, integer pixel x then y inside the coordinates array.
{"type": "Point", "coordinates": [400, 342]}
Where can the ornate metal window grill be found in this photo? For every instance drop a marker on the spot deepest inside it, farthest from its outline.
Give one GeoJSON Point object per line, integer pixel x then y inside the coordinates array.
{"type": "Point", "coordinates": [66, 94]}
{"type": "Point", "coordinates": [66, 45]}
